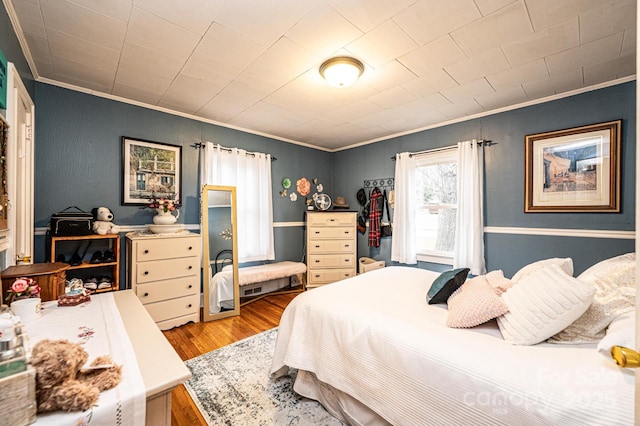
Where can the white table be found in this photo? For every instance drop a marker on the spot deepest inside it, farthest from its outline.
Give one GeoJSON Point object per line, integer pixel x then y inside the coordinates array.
{"type": "Point", "coordinates": [161, 367]}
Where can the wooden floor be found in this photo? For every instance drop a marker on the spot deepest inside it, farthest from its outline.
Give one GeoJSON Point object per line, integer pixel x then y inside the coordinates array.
{"type": "Point", "coordinates": [192, 340]}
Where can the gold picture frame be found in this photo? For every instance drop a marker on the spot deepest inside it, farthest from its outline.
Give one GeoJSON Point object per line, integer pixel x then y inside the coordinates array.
{"type": "Point", "coordinates": [574, 170]}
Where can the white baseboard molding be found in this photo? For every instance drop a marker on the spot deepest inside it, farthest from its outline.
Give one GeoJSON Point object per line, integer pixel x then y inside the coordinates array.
{"type": "Point", "coordinates": [556, 232]}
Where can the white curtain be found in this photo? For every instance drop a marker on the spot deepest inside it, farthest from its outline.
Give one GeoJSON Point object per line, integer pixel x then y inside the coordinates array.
{"type": "Point", "coordinates": [250, 173]}
{"type": "Point", "coordinates": [469, 244]}
{"type": "Point", "coordinates": [403, 240]}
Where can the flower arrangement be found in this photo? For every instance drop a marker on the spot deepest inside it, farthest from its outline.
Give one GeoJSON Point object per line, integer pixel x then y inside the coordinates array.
{"type": "Point", "coordinates": [164, 204]}
{"type": "Point", "coordinates": [23, 288]}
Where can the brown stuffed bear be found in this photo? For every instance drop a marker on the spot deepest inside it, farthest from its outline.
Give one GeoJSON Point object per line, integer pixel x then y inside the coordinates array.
{"type": "Point", "coordinates": [60, 382]}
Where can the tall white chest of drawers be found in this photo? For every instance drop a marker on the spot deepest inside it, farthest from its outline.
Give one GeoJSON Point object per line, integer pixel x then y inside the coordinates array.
{"type": "Point", "coordinates": [164, 272]}
{"type": "Point", "coordinates": [331, 247]}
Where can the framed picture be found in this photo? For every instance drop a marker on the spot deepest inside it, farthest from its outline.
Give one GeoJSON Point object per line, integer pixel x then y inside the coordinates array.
{"type": "Point", "coordinates": [150, 169]}
{"type": "Point", "coordinates": [574, 170]}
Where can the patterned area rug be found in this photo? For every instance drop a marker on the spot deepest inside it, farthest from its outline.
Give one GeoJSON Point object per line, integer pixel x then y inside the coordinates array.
{"type": "Point", "coordinates": [232, 386]}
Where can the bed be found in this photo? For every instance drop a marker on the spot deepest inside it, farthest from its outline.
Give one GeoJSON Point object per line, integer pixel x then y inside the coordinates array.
{"type": "Point", "coordinates": [372, 351]}
{"type": "Point", "coordinates": [254, 281]}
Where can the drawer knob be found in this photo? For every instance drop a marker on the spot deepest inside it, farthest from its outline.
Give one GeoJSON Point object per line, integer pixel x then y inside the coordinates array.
{"type": "Point", "coordinates": [317, 232]}
{"type": "Point", "coordinates": [317, 246]}
{"type": "Point", "coordinates": [317, 260]}
{"type": "Point", "coordinates": [190, 248]}
{"type": "Point", "coordinates": [190, 267]}
{"type": "Point", "coordinates": [189, 305]}
{"type": "Point", "coordinates": [347, 232]}
{"type": "Point", "coordinates": [146, 272]}
{"type": "Point", "coordinates": [332, 220]}
{"type": "Point", "coordinates": [190, 286]}
{"type": "Point", "coordinates": [146, 294]}
{"type": "Point", "coordinates": [146, 252]}
{"type": "Point", "coordinates": [346, 260]}
{"type": "Point", "coordinates": [317, 276]}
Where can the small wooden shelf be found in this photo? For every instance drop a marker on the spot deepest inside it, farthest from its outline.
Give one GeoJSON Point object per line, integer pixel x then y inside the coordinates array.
{"type": "Point", "coordinates": [81, 270]}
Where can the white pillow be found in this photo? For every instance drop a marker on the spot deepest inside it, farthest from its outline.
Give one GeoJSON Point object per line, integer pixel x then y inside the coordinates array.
{"type": "Point", "coordinates": [541, 304]}
{"type": "Point", "coordinates": [566, 264]}
{"type": "Point", "coordinates": [621, 332]}
{"type": "Point", "coordinates": [614, 281]}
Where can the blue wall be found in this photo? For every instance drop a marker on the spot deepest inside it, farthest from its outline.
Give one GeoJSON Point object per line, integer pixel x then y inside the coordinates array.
{"type": "Point", "coordinates": [13, 52]}
{"type": "Point", "coordinates": [78, 161]}
{"type": "Point", "coordinates": [504, 177]}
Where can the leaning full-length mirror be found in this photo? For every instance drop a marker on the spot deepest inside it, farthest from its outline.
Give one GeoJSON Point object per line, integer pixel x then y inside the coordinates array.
{"type": "Point", "coordinates": [219, 252]}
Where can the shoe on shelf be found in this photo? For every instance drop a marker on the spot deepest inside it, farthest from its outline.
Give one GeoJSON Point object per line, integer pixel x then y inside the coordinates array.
{"type": "Point", "coordinates": [75, 260]}
{"type": "Point", "coordinates": [104, 282]}
{"type": "Point", "coordinates": [97, 257]}
{"type": "Point", "coordinates": [108, 256]}
{"type": "Point", "coordinates": [90, 286]}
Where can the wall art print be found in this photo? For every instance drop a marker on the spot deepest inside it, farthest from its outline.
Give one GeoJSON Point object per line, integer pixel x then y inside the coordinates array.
{"type": "Point", "coordinates": [574, 170]}
{"type": "Point", "coordinates": [150, 169]}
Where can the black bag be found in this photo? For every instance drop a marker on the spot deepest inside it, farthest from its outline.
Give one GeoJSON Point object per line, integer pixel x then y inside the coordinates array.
{"type": "Point", "coordinates": [67, 224]}
{"type": "Point", "coordinates": [386, 230]}
{"type": "Point", "coordinates": [362, 224]}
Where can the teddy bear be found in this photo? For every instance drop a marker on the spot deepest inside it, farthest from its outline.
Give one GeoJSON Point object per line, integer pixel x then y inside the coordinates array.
{"type": "Point", "coordinates": [62, 383]}
{"type": "Point", "coordinates": [102, 224]}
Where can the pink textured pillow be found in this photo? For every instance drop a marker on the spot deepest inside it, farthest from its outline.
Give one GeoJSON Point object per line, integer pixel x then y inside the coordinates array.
{"type": "Point", "coordinates": [475, 303]}
{"type": "Point", "coordinates": [498, 282]}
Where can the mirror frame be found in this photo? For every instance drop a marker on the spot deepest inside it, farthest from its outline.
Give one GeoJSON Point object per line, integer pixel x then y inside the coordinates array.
{"type": "Point", "coordinates": [204, 229]}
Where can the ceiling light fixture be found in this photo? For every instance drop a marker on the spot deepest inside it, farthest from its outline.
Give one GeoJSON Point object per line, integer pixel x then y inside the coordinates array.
{"type": "Point", "coordinates": [341, 71]}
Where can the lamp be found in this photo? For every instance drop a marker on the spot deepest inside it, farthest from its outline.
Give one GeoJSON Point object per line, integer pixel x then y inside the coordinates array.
{"type": "Point", "coordinates": [341, 71]}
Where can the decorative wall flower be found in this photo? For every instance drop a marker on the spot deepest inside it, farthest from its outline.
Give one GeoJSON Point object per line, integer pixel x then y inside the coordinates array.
{"type": "Point", "coordinates": [293, 196]}
{"type": "Point", "coordinates": [303, 186]}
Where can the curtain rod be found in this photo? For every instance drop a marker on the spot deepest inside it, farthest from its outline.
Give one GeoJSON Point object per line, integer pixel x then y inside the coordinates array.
{"type": "Point", "coordinates": [201, 145]}
{"type": "Point", "coordinates": [444, 148]}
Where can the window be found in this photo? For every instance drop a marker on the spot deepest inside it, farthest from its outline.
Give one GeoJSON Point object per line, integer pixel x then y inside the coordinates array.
{"type": "Point", "coordinates": [436, 205]}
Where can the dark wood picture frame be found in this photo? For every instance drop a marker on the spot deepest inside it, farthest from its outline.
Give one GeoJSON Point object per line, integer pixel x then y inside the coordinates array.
{"type": "Point", "coordinates": [574, 170]}
{"type": "Point", "coordinates": [150, 169]}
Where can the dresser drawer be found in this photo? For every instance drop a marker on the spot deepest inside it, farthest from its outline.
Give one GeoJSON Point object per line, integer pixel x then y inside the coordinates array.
{"type": "Point", "coordinates": [320, 233]}
{"type": "Point", "coordinates": [157, 248]}
{"type": "Point", "coordinates": [331, 219]}
{"type": "Point", "coordinates": [325, 276]}
{"type": "Point", "coordinates": [331, 246]}
{"type": "Point", "coordinates": [172, 308]}
{"type": "Point", "coordinates": [169, 289]}
{"type": "Point", "coordinates": [167, 269]}
{"type": "Point", "coordinates": [331, 260]}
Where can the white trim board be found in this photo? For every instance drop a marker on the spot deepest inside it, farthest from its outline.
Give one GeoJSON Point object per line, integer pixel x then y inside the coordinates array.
{"type": "Point", "coordinates": [555, 232]}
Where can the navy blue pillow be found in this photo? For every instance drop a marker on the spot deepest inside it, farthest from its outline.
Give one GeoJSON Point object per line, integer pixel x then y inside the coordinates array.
{"type": "Point", "coordinates": [446, 284]}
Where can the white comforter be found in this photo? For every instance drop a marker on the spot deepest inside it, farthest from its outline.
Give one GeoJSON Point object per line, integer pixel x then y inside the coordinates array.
{"type": "Point", "coordinates": [375, 337]}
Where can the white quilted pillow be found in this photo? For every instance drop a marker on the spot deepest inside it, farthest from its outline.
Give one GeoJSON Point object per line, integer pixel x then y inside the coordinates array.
{"type": "Point", "coordinates": [614, 281]}
{"type": "Point", "coordinates": [566, 264]}
{"type": "Point", "coordinates": [541, 304]}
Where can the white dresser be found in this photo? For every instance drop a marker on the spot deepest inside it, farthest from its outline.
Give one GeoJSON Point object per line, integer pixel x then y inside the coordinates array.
{"type": "Point", "coordinates": [164, 272]}
{"type": "Point", "coordinates": [331, 247]}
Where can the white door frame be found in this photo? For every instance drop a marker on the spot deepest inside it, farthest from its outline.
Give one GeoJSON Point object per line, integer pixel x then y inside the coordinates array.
{"type": "Point", "coordinates": [20, 168]}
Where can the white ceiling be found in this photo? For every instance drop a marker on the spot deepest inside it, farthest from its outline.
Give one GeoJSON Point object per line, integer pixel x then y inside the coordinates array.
{"type": "Point", "coordinates": [253, 64]}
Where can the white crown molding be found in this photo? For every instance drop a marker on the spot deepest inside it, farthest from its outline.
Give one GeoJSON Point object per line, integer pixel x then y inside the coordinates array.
{"type": "Point", "coordinates": [495, 111]}
{"type": "Point", "coordinates": [173, 112]}
{"type": "Point", "coordinates": [17, 29]}
{"type": "Point", "coordinates": [556, 232]}
{"type": "Point", "coordinates": [27, 53]}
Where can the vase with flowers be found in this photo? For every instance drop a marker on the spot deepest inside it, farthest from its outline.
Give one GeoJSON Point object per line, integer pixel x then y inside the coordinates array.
{"type": "Point", "coordinates": [164, 207]}
{"type": "Point", "coordinates": [23, 288]}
